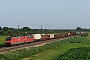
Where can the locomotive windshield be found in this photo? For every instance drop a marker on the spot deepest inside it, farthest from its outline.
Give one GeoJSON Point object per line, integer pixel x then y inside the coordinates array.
{"type": "Point", "coordinates": [8, 38]}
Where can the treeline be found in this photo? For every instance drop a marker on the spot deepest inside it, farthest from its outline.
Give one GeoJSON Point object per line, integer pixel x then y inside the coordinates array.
{"type": "Point", "coordinates": [27, 30]}
{"type": "Point", "coordinates": [82, 29]}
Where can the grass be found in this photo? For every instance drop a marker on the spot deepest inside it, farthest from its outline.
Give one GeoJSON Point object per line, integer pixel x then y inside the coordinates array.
{"type": "Point", "coordinates": [80, 39]}
{"type": "Point", "coordinates": [88, 37]}
{"type": "Point", "coordinates": [53, 53]}
{"type": "Point", "coordinates": [2, 39]}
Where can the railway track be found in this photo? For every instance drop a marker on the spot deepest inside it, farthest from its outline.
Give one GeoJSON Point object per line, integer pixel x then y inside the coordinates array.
{"type": "Point", "coordinates": [15, 48]}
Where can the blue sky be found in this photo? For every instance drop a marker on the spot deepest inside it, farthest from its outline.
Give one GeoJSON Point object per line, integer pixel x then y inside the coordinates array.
{"type": "Point", "coordinates": [48, 13]}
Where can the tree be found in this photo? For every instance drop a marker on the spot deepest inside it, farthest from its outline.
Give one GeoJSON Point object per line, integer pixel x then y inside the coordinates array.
{"type": "Point", "coordinates": [78, 28]}
{"type": "Point", "coordinates": [5, 28]}
{"type": "Point", "coordinates": [0, 28]}
{"type": "Point", "coordinates": [26, 29]}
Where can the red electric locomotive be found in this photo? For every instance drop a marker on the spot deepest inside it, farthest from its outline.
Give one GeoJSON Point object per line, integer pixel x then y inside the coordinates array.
{"type": "Point", "coordinates": [19, 40]}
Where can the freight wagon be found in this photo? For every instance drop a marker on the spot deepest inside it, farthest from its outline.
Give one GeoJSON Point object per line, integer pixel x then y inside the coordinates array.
{"type": "Point", "coordinates": [72, 33]}
{"type": "Point", "coordinates": [35, 38]}
{"type": "Point", "coordinates": [40, 37]}
{"type": "Point", "coordinates": [63, 35]}
{"type": "Point", "coordinates": [45, 37]}
{"type": "Point", "coordinates": [51, 36]}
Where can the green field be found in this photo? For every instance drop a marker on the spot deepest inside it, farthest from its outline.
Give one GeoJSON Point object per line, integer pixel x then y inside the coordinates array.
{"type": "Point", "coordinates": [49, 51]}
{"type": "Point", "coordinates": [81, 53]}
{"type": "Point", "coordinates": [53, 53]}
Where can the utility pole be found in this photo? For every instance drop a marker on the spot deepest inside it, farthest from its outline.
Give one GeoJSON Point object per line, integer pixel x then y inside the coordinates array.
{"type": "Point", "coordinates": [18, 27]}
{"type": "Point", "coordinates": [45, 30]}
{"type": "Point", "coordinates": [41, 29]}
{"type": "Point", "coordinates": [18, 30]}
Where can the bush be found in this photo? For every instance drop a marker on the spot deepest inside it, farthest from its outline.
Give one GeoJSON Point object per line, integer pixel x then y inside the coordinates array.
{"type": "Point", "coordinates": [85, 34]}
{"type": "Point", "coordinates": [78, 40]}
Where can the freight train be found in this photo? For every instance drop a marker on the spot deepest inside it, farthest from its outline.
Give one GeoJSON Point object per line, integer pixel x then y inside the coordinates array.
{"type": "Point", "coordinates": [15, 40]}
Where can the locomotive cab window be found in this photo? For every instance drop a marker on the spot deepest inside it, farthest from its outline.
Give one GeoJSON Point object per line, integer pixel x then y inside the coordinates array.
{"type": "Point", "coordinates": [8, 38]}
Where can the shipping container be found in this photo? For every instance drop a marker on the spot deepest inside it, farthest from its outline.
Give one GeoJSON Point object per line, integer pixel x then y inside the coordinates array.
{"type": "Point", "coordinates": [45, 37]}
{"type": "Point", "coordinates": [51, 36]}
{"type": "Point", "coordinates": [63, 35]}
{"type": "Point", "coordinates": [55, 36]}
{"type": "Point", "coordinates": [68, 34]}
{"type": "Point", "coordinates": [78, 33]}
{"type": "Point", "coordinates": [72, 33]}
{"type": "Point", "coordinates": [59, 35]}
{"type": "Point", "coordinates": [37, 37]}
{"type": "Point", "coordinates": [82, 32]}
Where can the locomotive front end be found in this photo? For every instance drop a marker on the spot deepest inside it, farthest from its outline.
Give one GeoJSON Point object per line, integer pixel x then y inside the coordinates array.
{"type": "Point", "coordinates": [8, 41]}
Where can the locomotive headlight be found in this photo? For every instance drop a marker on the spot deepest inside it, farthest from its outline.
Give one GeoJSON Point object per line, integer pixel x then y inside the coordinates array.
{"type": "Point", "coordinates": [5, 41]}
{"type": "Point", "coordinates": [10, 41]}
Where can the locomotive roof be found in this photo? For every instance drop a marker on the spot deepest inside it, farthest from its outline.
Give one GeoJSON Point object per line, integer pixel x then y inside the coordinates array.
{"type": "Point", "coordinates": [17, 36]}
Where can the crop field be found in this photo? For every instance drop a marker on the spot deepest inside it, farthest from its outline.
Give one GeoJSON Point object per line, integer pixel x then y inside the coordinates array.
{"type": "Point", "coordinates": [82, 53]}
{"type": "Point", "coordinates": [54, 53]}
